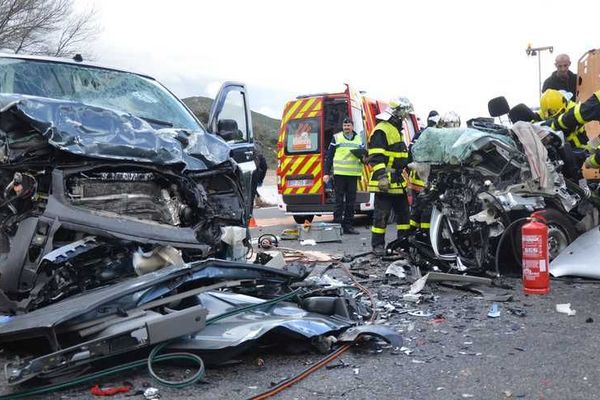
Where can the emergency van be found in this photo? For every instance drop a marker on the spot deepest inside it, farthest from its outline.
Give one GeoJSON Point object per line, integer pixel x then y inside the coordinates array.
{"type": "Point", "coordinates": [308, 124]}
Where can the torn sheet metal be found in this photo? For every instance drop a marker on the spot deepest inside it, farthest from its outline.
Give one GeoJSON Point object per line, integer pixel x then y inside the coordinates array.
{"type": "Point", "coordinates": [580, 258]}
{"type": "Point", "coordinates": [134, 292]}
{"type": "Point", "coordinates": [380, 331]}
{"type": "Point", "coordinates": [97, 132]}
{"type": "Point", "coordinates": [236, 333]}
{"type": "Point", "coordinates": [150, 328]}
{"type": "Point", "coordinates": [420, 283]}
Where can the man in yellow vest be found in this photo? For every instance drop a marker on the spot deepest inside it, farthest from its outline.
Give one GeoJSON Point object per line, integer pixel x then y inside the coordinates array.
{"type": "Point", "coordinates": [343, 154]}
{"type": "Point", "coordinates": [388, 157]}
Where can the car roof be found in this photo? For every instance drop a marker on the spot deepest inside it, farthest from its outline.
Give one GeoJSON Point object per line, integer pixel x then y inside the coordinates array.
{"type": "Point", "coordinates": [67, 61]}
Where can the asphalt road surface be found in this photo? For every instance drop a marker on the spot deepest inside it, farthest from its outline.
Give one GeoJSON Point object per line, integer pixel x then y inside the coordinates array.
{"type": "Point", "coordinates": [455, 352]}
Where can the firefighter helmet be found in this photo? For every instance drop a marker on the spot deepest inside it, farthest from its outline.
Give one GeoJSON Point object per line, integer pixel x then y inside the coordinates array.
{"type": "Point", "coordinates": [399, 107]}
{"type": "Point", "coordinates": [449, 120]}
{"type": "Point", "coordinates": [552, 103]}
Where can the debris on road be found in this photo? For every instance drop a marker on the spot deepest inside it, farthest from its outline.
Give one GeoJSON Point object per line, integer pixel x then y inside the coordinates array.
{"type": "Point", "coordinates": [494, 311]}
{"type": "Point", "coordinates": [565, 309]}
{"type": "Point", "coordinates": [151, 393]}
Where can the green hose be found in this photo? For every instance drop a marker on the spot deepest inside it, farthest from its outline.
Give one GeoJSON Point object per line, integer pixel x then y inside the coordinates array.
{"type": "Point", "coordinates": [153, 358]}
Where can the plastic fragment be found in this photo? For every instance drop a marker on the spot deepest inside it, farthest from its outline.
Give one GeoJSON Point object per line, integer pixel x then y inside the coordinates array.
{"type": "Point", "coordinates": [494, 311]}
{"type": "Point", "coordinates": [565, 309]}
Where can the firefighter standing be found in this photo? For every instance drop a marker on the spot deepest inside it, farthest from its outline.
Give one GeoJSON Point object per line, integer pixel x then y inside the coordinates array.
{"type": "Point", "coordinates": [343, 155]}
{"type": "Point", "coordinates": [388, 156]}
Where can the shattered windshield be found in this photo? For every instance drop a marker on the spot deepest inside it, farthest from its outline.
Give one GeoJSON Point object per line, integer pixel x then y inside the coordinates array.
{"type": "Point", "coordinates": [451, 145]}
{"type": "Point", "coordinates": [116, 90]}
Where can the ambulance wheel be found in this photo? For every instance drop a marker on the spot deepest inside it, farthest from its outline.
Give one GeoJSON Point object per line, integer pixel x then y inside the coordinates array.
{"type": "Point", "coordinates": [301, 218]}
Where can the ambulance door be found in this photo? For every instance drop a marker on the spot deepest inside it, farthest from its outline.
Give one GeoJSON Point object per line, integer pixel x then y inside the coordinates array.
{"type": "Point", "coordinates": [301, 166]}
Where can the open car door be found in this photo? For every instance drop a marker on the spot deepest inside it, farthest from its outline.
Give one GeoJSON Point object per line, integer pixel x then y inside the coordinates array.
{"type": "Point", "coordinates": [231, 119]}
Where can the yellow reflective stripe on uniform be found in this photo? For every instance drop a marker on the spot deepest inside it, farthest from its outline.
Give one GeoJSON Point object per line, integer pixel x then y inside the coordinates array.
{"type": "Point", "coordinates": [377, 167]}
{"type": "Point", "coordinates": [574, 137]}
{"type": "Point", "coordinates": [417, 181]}
{"type": "Point", "coordinates": [593, 161]}
{"type": "Point", "coordinates": [403, 227]}
{"type": "Point", "coordinates": [377, 230]}
{"type": "Point", "coordinates": [376, 150]}
{"type": "Point", "coordinates": [577, 113]}
{"type": "Point", "coordinates": [413, 223]}
{"type": "Point", "coordinates": [425, 225]}
{"type": "Point", "coordinates": [560, 122]}
{"type": "Point", "coordinates": [397, 154]}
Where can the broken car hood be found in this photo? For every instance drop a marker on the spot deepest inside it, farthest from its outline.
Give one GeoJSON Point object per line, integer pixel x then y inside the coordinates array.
{"type": "Point", "coordinates": [98, 132]}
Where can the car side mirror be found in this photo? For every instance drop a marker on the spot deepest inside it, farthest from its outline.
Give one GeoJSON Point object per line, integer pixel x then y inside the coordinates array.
{"type": "Point", "coordinates": [498, 106]}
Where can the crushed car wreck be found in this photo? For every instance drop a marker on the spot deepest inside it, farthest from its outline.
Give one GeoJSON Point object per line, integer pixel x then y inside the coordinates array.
{"type": "Point", "coordinates": [483, 181]}
{"type": "Point", "coordinates": [97, 165]}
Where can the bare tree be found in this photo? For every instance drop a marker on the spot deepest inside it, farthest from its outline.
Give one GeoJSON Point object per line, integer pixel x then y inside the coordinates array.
{"type": "Point", "coordinates": [48, 27]}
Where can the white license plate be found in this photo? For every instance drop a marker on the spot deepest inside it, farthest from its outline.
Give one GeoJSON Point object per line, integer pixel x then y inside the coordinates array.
{"type": "Point", "coordinates": [299, 182]}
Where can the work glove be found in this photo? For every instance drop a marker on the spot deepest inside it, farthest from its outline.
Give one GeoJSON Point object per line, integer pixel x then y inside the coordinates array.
{"type": "Point", "coordinates": [586, 189]}
{"type": "Point", "coordinates": [383, 184]}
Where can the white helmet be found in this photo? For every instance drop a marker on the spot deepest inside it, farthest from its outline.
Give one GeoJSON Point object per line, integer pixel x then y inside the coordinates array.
{"type": "Point", "coordinates": [399, 107]}
{"type": "Point", "coordinates": [449, 120]}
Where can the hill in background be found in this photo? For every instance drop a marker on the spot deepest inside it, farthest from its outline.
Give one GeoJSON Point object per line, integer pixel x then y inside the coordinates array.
{"type": "Point", "coordinates": [265, 128]}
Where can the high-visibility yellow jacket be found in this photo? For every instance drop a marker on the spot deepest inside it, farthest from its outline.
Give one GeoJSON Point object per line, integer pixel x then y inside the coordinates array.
{"type": "Point", "coordinates": [571, 122]}
{"type": "Point", "coordinates": [388, 156]}
{"type": "Point", "coordinates": [344, 162]}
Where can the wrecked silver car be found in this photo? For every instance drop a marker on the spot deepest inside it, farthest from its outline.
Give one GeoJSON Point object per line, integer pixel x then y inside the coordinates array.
{"type": "Point", "coordinates": [102, 171]}
{"type": "Point", "coordinates": [483, 182]}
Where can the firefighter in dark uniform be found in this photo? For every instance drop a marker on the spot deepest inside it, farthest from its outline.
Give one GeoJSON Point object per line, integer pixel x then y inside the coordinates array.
{"type": "Point", "coordinates": [571, 119]}
{"type": "Point", "coordinates": [568, 116]}
{"type": "Point", "coordinates": [343, 154]}
{"type": "Point", "coordinates": [388, 157]}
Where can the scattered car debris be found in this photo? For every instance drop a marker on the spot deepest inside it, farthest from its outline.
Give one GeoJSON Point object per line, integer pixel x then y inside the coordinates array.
{"type": "Point", "coordinates": [290, 234]}
{"type": "Point", "coordinates": [516, 311]}
{"type": "Point", "coordinates": [494, 311]}
{"type": "Point", "coordinates": [565, 309]}
{"type": "Point", "coordinates": [96, 390]}
{"type": "Point", "coordinates": [151, 393]}
{"type": "Point", "coordinates": [420, 313]}
{"type": "Point", "coordinates": [397, 269]}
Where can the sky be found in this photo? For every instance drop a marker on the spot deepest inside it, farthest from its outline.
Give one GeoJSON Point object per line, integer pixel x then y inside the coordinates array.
{"type": "Point", "coordinates": [443, 55]}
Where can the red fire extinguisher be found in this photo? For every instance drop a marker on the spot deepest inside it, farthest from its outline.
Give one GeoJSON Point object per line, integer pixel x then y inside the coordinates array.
{"type": "Point", "coordinates": [534, 243]}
